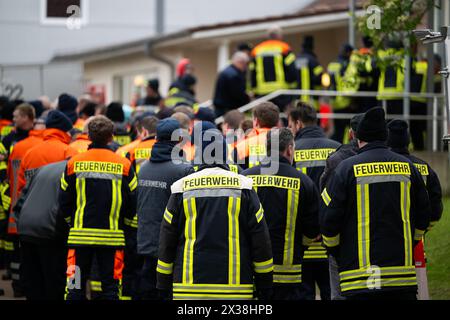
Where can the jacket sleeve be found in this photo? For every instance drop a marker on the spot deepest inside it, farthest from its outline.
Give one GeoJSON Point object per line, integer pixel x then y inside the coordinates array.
{"type": "Point", "coordinates": [291, 72]}
{"type": "Point", "coordinates": [435, 194]}
{"type": "Point", "coordinates": [327, 172]}
{"type": "Point", "coordinates": [260, 244]}
{"type": "Point", "coordinates": [420, 204]}
{"type": "Point", "coordinates": [236, 87]}
{"type": "Point", "coordinates": [309, 210]}
{"type": "Point", "coordinates": [168, 242]}
{"type": "Point", "coordinates": [131, 183]}
{"type": "Point", "coordinates": [67, 196]}
{"type": "Point", "coordinates": [332, 208]}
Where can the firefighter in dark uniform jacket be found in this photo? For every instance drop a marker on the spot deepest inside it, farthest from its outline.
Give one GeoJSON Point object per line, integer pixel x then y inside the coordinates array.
{"type": "Point", "coordinates": [291, 203]}
{"type": "Point", "coordinates": [375, 209]}
{"type": "Point", "coordinates": [312, 148]}
{"type": "Point", "coordinates": [97, 193]}
{"type": "Point", "coordinates": [214, 241]}
{"type": "Point", "coordinates": [343, 152]}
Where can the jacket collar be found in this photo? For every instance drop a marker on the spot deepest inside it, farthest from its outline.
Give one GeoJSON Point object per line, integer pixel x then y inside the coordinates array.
{"type": "Point", "coordinates": [99, 146]}
{"type": "Point", "coordinates": [36, 133]}
{"type": "Point", "coordinates": [373, 145]}
{"type": "Point", "coordinates": [310, 132]}
{"type": "Point", "coordinates": [83, 136]}
{"type": "Point", "coordinates": [162, 151]}
{"type": "Point", "coordinates": [56, 134]}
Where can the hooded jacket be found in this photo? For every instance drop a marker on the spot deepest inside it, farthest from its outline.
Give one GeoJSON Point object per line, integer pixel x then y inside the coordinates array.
{"type": "Point", "coordinates": [154, 180]}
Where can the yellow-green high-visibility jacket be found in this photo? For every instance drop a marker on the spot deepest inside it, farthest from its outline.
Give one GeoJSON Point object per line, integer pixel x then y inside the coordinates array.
{"type": "Point", "coordinates": [272, 67]}
{"type": "Point", "coordinates": [392, 73]}
{"type": "Point", "coordinates": [374, 209]}
{"type": "Point", "coordinates": [419, 79]}
{"type": "Point", "coordinates": [310, 75]}
{"type": "Point", "coordinates": [336, 71]}
{"type": "Point", "coordinates": [214, 240]}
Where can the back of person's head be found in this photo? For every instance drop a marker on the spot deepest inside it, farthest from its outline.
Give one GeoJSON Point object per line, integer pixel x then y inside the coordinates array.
{"type": "Point", "coordinates": [114, 112]}
{"type": "Point", "coordinates": [275, 33]}
{"type": "Point", "coordinates": [100, 130]}
{"type": "Point", "coordinates": [7, 110]}
{"type": "Point", "coordinates": [149, 124]}
{"type": "Point", "coordinates": [240, 59]}
{"type": "Point", "coordinates": [267, 114]}
{"type": "Point", "coordinates": [233, 119]}
{"type": "Point", "coordinates": [183, 119]}
{"type": "Point", "coordinates": [154, 84]}
{"type": "Point", "coordinates": [244, 46]}
{"type": "Point", "coordinates": [165, 129]}
{"type": "Point", "coordinates": [57, 120]}
{"type": "Point", "coordinates": [38, 107]}
{"type": "Point", "coordinates": [398, 135]}
{"type": "Point", "coordinates": [205, 114]}
{"type": "Point", "coordinates": [281, 138]}
{"type": "Point", "coordinates": [308, 43]}
{"type": "Point", "coordinates": [186, 110]}
{"type": "Point", "coordinates": [372, 126]}
{"type": "Point", "coordinates": [89, 109]}
{"type": "Point", "coordinates": [188, 80]}
{"type": "Point", "coordinates": [246, 125]}
{"type": "Point", "coordinates": [26, 110]}
{"type": "Point", "coordinates": [304, 113]}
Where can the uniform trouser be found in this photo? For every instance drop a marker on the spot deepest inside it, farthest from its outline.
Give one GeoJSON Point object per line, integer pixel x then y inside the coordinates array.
{"type": "Point", "coordinates": [3, 260]}
{"type": "Point", "coordinates": [133, 266]}
{"type": "Point", "coordinates": [14, 263]}
{"type": "Point", "coordinates": [418, 127]}
{"type": "Point", "coordinates": [335, 286]}
{"type": "Point", "coordinates": [315, 271]}
{"type": "Point", "coordinates": [385, 295]}
{"type": "Point", "coordinates": [147, 284]}
{"type": "Point", "coordinates": [79, 264]}
{"type": "Point", "coordinates": [43, 270]}
{"type": "Point", "coordinates": [340, 125]}
{"type": "Point", "coordinates": [287, 292]}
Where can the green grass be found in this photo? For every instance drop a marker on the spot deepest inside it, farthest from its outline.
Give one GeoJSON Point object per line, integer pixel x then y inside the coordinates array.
{"type": "Point", "coordinates": [437, 247]}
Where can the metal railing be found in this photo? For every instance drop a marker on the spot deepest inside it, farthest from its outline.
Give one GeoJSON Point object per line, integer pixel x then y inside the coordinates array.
{"type": "Point", "coordinates": [434, 117]}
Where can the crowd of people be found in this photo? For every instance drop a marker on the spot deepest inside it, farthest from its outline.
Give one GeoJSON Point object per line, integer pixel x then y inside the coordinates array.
{"type": "Point", "coordinates": [141, 205]}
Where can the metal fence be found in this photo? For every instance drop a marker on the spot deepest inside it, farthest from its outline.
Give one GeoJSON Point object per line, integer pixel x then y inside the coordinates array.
{"type": "Point", "coordinates": [438, 115]}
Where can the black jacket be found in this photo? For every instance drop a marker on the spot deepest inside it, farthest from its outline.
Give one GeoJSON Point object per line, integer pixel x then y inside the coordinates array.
{"type": "Point", "coordinates": [37, 208]}
{"type": "Point", "coordinates": [154, 180]}
{"type": "Point", "coordinates": [374, 209]}
{"type": "Point", "coordinates": [291, 205]}
{"type": "Point", "coordinates": [432, 184]}
{"type": "Point", "coordinates": [214, 240]}
{"type": "Point", "coordinates": [343, 152]}
{"type": "Point", "coordinates": [230, 90]}
{"type": "Point", "coordinates": [312, 148]}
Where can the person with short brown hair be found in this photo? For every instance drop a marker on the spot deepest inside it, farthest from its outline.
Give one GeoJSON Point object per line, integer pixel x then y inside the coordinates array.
{"type": "Point", "coordinates": [232, 120]}
{"type": "Point", "coordinates": [266, 115]}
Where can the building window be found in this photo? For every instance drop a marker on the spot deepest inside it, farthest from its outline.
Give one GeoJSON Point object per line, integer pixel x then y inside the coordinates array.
{"type": "Point", "coordinates": [63, 12]}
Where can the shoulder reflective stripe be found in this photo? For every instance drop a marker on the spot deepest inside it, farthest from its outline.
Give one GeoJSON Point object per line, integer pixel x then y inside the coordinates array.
{"type": "Point", "coordinates": [405, 207]}
{"type": "Point", "coordinates": [234, 255]}
{"type": "Point", "coordinates": [168, 216]}
{"type": "Point", "coordinates": [98, 175]}
{"type": "Point", "coordinates": [289, 59]}
{"type": "Point", "coordinates": [423, 169]}
{"type": "Point", "coordinates": [190, 236]}
{"type": "Point", "coordinates": [326, 197]}
{"type": "Point", "coordinates": [362, 195]}
{"type": "Point", "coordinates": [291, 218]}
{"type": "Point", "coordinates": [389, 282]}
{"type": "Point", "coordinates": [275, 181]}
{"type": "Point", "coordinates": [259, 214]}
{"type": "Point", "coordinates": [81, 202]}
{"type": "Point", "coordinates": [133, 184]}
{"type": "Point", "coordinates": [312, 155]}
{"type": "Point", "coordinates": [381, 168]}
{"type": "Point", "coordinates": [166, 268]}
{"type": "Point", "coordinates": [263, 267]}
{"type": "Point", "coordinates": [382, 179]}
{"type": "Point", "coordinates": [384, 271]}
{"type": "Point", "coordinates": [331, 241]}
{"type": "Point", "coordinates": [64, 184]}
{"type": "Point", "coordinates": [212, 193]}
{"type": "Point", "coordinates": [418, 234]}
{"type": "Point", "coordinates": [98, 166]}
{"type": "Point", "coordinates": [287, 278]}
{"type": "Point", "coordinates": [211, 182]}
{"type": "Point", "coordinates": [318, 70]}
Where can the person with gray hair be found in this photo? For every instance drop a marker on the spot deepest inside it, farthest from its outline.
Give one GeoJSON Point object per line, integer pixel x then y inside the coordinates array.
{"type": "Point", "coordinates": [291, 204]}
{"type": "Point", "coordinates": [231, 85]}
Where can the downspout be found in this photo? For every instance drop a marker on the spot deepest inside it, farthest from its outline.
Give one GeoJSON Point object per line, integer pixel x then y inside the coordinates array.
{"type": "Point", "coordinates": [151, 54]}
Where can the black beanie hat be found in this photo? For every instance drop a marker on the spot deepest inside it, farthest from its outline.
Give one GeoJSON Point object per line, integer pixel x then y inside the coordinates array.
{"type": "Point", "coordinates": [58, 120]}
{"type": "Point", "coordinates": [398, 136]}
{"type": "Point", "coordinates": [67, 104]}
{"type": "Point", "coordinates": [354, 122]}
{"type": "Point", "coordinates": [114, 112]}
{"type": "Point", "coordinates": [154, 84]}
{"type": "Point", "coordinates": [38, 107]}
{"type": "Point", "coordinates": [372, 126]}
